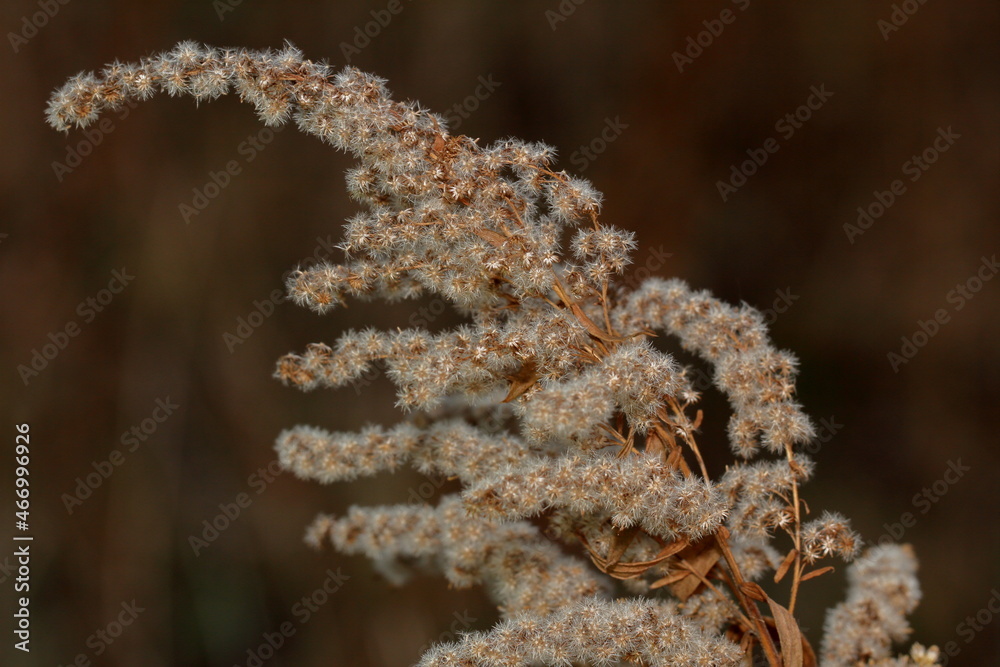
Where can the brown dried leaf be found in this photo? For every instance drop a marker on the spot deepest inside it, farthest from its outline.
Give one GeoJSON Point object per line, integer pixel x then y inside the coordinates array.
{"type": "Point", "coordinates": [677, 462]}
{"type": "Point", "coordinates": [620, 544]}
{"type": "Point", "coordinates": [785, 564]}
{"type": "Point", "coordinates": [808, 655]}
{"type": "Point", "coordinates": [494, 238]}
{"type": "Point", "coordinates": [521, 381]}
{"type": "Point", "coordinates": [673, 548]}
{"type": "Point", "coordinates": [594, 556]}
{"type": "Point", "coordinates": [746, 645]}
{"type": "Point", "coordinates": [592, 328]}
{"type": "Point", "coordinates": [439, 144]}
{"type": "Point", "coordinates": [670, 579]}
{"type": "Point", "coordinates": [630, 570]}
{"type": "Point", "coordinates": [816, 573]}
{"type": "Point", "coordinates": [792, 654]}
{"type": "Point", "coordinates": [701, 557]}
{"type": "Point", "coordinates": [753, 591]}
{"type": "Point", "coordinates": [654, 445]}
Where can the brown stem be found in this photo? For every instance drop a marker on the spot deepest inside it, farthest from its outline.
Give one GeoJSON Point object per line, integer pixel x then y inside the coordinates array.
{"type": "Point", "coordinates": [688, 438]}
{"type": "Point", "coordinates": [694, 571]}
{"type": "Point", "coordinates": [799, 567]}
{"type": "Point", "coordinates": [722, 536]}
{"type": "Point", "coordinates": [604, 307]}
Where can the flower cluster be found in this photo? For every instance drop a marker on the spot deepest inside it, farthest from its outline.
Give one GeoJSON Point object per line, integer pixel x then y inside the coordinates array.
{"type": "Point", "coordinates": [883, 588]}
{"type": "Point", "coordinates": [586, 509]}
{"type": "Point", "coordinates": [591, 631]}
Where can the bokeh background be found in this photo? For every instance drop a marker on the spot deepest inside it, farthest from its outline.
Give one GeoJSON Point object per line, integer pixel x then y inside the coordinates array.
{"type": "Point", "coordinates": [565, 71]}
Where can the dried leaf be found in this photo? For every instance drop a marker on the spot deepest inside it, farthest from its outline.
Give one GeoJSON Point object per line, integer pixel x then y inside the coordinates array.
{"type": "Point", "coordinates": [592, 328]}
{"type": "Point", "coordinates": [673, 548]}
{"type": "Point", "coordinates": [620, 544]}
{"type": "Point", "coordinates": [629, 570]}
{"type": "Point", "coordinates": [785, 564]}
{"type": "Point", "coordinates": [816, 573]}
{"type": "Point", "coordinates": [808, 655]}
{"type": "Point", "coordinates": [594, 556]}
{"type": "Point", "coordinates": [788, 634]}
{"type": "Point", "coordinates": [676, 461]}
{"type": "Point", "coordinates": [701, 557]}
{"type": "Point", "coordinates": [654, 445]}
{"type": "Point", "coordinates": [438, 146]}
{"type": "Point", "coordinates": [494, 238]}
{"type": "Point", "coordinates": [746, 645]}
{"type": "Point", "coordinates": [753, 591]}
{"type": "Point", "coordinates": [670, 579]}
{"type": "Point", "coordinates": [521, 381]}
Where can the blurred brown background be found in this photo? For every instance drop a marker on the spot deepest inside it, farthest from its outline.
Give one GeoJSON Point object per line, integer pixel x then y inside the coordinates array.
{"type": "Point", "coordinates": [779, 236]}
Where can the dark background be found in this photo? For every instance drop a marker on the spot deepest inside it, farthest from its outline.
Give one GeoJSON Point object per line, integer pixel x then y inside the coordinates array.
{"type": "Point", "coordinates": [162, 336]}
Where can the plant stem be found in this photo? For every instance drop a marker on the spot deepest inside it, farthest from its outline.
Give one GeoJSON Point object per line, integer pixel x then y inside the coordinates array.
{"type": "Point", "coordinates": [721, 536]}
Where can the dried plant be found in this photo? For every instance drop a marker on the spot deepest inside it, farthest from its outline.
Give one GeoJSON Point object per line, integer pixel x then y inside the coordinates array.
{"type": "Point", "coordinates": [586, 508]}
